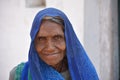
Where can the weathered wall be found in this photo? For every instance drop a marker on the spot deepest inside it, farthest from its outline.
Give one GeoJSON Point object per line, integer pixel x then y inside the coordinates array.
{"type": "Point", "coordinates": [91, 31]}
{"type": "Point", "coordinates": [101, 36]}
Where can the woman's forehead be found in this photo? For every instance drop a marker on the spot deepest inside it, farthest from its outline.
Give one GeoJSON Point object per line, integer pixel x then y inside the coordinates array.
{"type": "Point", "coordinates": [50, 28]}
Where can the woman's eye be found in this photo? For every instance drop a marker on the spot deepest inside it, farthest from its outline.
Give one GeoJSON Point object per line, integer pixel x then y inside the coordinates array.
{"type": "Point", "coordinates": [58, 37]}
{"type": "Point", "coordinates": [41, 38]}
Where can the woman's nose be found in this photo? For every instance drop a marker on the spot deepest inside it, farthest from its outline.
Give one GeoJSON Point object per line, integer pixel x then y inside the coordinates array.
{"type": "Point", "coordinates": [50, 46]}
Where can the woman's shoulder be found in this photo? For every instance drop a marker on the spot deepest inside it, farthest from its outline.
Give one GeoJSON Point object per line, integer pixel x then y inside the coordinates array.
{"type": "Point", "coordinates": [15, 73]}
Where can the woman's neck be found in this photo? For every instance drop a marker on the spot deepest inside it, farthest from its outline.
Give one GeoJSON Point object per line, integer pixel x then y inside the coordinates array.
{"type": "Point", "coordinates": [62, 65]}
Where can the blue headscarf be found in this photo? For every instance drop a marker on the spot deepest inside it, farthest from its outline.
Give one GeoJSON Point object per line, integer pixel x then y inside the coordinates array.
{"type": "Point", "coordinates": [80, 66]}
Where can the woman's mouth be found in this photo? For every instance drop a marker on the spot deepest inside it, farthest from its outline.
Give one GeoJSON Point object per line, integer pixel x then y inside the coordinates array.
{"type": "Point", "coordinates": [51, 54]}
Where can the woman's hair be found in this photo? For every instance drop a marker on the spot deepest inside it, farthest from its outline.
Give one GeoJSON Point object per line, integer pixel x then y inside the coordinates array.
{"type": "Point", "coordinates": [55, 19]}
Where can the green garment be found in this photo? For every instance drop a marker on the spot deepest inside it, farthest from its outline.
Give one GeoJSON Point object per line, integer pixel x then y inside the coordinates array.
{"type": "Point", "coordinates": [18, 72]}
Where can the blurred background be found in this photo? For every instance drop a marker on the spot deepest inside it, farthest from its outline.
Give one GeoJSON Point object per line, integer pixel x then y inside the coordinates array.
{"type": "Point", "coordinates": [95, 23]}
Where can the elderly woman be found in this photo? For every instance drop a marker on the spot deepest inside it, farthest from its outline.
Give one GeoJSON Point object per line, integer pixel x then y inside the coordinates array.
{"type": "Point", "coordinates": [55, 51]}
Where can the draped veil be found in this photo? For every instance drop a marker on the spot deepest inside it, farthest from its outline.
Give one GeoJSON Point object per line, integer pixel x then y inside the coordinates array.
{"type": "Point", "coordinates": [80, 66]}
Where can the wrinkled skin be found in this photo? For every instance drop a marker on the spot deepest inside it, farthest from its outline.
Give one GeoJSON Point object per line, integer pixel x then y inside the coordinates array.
{"type": "Point", "coordinates": [50, 43]}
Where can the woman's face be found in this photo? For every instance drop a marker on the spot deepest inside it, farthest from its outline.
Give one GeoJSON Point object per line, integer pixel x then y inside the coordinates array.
{"type": "Point", "coordinates": [50, 43]}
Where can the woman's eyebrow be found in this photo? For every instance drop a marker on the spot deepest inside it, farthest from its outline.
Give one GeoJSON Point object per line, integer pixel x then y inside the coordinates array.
{"type": "Point", "coordinates": [59, 34]}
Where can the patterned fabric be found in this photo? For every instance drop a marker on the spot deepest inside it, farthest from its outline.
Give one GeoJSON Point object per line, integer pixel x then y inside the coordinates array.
{"type": "Point", "coordinates": [80, 66]}
{"type": "Point", "coordinates": [18, 71]}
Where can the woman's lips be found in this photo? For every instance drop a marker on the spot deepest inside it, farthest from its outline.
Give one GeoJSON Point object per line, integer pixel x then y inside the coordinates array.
{"type": "Point", "coordinates": [51, 54]}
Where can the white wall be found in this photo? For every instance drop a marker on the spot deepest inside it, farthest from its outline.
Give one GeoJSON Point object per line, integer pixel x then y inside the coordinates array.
{"type": "Point", "coordinates": [101, 36]}
{"type": "Point", "coordinates": [15, 25]}
{"type": "Point", "coordinates": [92, 31]}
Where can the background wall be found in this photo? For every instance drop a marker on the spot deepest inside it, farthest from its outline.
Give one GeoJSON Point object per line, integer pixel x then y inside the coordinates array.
{"type": "Point", "coordinates": [92, 31]}
{"type": "Point", "coordinates": [101, 36]}
{"type": "Point", "coordinates": [15, 25]}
